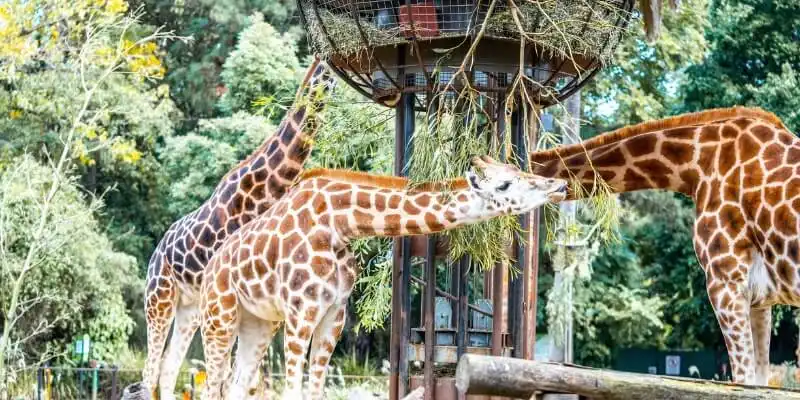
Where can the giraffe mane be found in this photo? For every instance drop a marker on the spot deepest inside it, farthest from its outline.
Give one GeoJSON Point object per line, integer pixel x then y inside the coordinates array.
{"type": "Point", "coordinates": [683, 120]}
{"type": "Point", "coordinates": [382, 181]}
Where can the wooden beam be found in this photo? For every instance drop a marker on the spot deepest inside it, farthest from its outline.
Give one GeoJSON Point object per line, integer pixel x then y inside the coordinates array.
{"type": "Point", "coordinates": [486, 375]}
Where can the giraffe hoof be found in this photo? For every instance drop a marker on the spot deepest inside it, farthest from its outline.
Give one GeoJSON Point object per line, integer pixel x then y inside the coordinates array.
{"type": "Point", "coordinates": [135, 391]}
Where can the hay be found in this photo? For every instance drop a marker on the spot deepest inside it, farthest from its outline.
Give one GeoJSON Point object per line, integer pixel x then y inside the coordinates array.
{"type": "Point", "coordinates": [590, 28]}
{"type": "Point", "coordinates": [343, 31]}
{"type": "Point", "coordinates": [566, 27]}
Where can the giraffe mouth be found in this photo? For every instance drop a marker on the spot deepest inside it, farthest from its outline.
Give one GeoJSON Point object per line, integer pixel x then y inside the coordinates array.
{"type": "Point", "coordinates": [557, 197]}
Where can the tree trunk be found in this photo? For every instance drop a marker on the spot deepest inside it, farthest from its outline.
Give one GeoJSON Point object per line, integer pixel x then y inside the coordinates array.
{"type": "Point", "coordinates": [485, 375]}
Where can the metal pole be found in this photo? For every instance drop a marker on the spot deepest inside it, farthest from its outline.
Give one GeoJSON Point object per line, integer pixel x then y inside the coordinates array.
{"type": "Point", "coordinates": [114, 383]}
{"type": "Point", "coordinates": [430, 304]}
{"type": "Point", "coordinates": [397, 389]}
{"type": "Point", "coordinates": [461, 328]}
{"type": "Point", "coordinates": [569, 136]}
{"type": "Point", "coordinates": [515, 327]}
{"type": "Point", "coordinates": [530, 272]}
{"type": "Point", "coordinates": [39, 383]}
{"type": "Point", "coordinates": [95, 383]}
{"type": "Point", "coordinates": [408, 128]}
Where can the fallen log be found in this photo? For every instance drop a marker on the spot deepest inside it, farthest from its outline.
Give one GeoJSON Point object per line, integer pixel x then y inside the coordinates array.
{"type": "Point", "coordinates": [511, 377]}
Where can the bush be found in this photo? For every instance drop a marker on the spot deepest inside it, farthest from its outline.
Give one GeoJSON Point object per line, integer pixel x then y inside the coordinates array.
{"type": "Point", "coordinates": [76, 284]}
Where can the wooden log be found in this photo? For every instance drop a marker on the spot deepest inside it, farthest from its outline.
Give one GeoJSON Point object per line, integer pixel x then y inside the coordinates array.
{"type": "Point", "coordinates": [510, 377]}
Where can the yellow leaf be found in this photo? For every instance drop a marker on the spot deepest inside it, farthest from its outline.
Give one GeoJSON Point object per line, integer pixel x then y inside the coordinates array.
{"type": "Point", "coordinates": [15, 114]}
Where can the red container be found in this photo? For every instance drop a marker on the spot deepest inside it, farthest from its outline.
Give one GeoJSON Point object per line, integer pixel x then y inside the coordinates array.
{"type": "Point", "coordinates": [418, 20]}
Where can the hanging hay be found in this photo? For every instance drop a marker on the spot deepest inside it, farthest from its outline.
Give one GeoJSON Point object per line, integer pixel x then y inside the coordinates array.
{"type": "Point", "coordinates": [590, 28]}
{"type": "Point", "coordinates": [565, 28]}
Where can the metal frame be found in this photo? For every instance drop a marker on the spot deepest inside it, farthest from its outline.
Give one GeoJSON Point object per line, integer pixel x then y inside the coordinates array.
{"type": "Point", "coordinates": [521, 316]}
{"type": "Point", "coordinates": [364, 84]}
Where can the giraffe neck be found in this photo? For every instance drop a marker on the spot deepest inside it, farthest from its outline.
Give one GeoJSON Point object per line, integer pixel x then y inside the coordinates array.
{"type": "Point", "coordinates": [277, 162]}
{"type": "Point", "coordinates": [358, 211]}
{"type": "Point", "coordinates": [675, 158]}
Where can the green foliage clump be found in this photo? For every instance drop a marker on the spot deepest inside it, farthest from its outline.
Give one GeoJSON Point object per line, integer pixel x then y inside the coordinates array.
{"type": "Point", "coordinates": [356, 134]}
{"type": "Point", "coordinates": [754, 57]}
{"type": "Point", "coordinates": [264, 62]}
{"type": "Point", "coordinates": [193, 68]}
{"type": "Point", "coordinates": [78, 279]}
{"type": "Point", "coordinates": [194, 163]}
{"type": "Point", "coordinates": [640, 84]}
{"type": "Point", "coordinates": [443, 150]}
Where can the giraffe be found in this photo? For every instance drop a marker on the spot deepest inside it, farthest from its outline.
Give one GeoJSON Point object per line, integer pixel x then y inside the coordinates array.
{"type": "Point", "coordinates": [248, 190]}
{"type": "Point", "coordinates": [292, 264]}
{"type": "Point", "coordinates": [741, 166]}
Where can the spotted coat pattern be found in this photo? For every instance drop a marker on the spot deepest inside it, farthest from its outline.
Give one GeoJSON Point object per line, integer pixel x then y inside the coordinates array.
{"type": "Point", "coordinates": [175, 270]}
{"type": "Point", "coordinates": [741, 167]}
{"type": "Point", "coordinates": [292, 264]}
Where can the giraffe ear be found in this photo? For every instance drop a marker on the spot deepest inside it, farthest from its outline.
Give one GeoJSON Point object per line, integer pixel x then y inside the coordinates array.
{"type": "Point", "coordinates": [472, 181]}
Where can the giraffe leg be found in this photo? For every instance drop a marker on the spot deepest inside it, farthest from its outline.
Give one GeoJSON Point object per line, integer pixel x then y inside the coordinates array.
{"type": "Point", "coordinates": [219, 333]}
{"type": "Point", "coordinates": [187, 320]}
{"type": "Point", "coordinates": [255, 336]}
{"type": "Point", "coordinates": [296, 341]}
{"type": "Point", "coordinates": [732, 309]}
{"type": "Point", "coordinates": [324, 342]}
{"type": "Point", "coordinates": [761, 326]}
{"type": "Point", "coordinates": [159, 312]}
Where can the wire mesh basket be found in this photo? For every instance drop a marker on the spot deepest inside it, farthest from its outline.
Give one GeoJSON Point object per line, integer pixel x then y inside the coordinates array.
{"type": "Point", "coordinates": [385, 47]}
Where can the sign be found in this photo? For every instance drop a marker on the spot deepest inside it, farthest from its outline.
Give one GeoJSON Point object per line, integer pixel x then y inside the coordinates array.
{"type": "Point", "coordinates": [81, 349]}
{"type": "Point", "coordinates": [652, 370]}
{"type": "Point", "coordinates": [673, 365]}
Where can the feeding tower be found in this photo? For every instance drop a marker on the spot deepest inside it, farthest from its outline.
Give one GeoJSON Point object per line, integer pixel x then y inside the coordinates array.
{"type": "Point", "coordinates": [493, 64]}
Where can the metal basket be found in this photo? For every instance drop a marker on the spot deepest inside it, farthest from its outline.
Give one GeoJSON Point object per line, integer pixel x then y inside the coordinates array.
{"type": "Point", "coordinates": [384, 47]}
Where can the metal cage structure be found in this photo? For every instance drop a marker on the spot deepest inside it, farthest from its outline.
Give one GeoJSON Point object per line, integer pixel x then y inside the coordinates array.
{"type": "Point", "coordinates": [386, 47]}
{"type": "Point", "coordinates": [403, 54]}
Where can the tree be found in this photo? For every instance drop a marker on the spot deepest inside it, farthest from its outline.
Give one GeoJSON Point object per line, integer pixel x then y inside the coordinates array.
{"type": "Point", "coordinates": [126, 115]}
{"type": "Point", "coordinates": [640, 85]}
{"type": "Point", "coordinates": [754, 57]}
{"type": "Point", "coordinates": [194, 68]}
{"type": "Point", "coordinates": [91, 45]}
{"type": "Point", "coordinates": [194, 163]}
{"type": "Point", "coordinates": [264, 62]}
{"type": "Point", "coordinates": [75, 279]}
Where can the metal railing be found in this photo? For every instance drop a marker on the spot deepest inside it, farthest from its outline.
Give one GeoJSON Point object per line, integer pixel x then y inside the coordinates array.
{"type": "Point", "coordinates": [108, 383]}
{"type": "Point", "coordinates": [71, 383]}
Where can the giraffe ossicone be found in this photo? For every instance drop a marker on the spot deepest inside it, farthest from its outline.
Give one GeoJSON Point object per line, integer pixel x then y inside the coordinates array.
{"type": "Point", "coordinates": [292, 265]}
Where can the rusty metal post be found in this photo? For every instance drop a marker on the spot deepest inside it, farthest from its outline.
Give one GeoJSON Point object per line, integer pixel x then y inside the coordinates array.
{"type": "Point", "coordinates": [497, 273]}
{"type": "Point", "coordinates": [430, 330]}
{"type": "Point", "coordinates": [530, 271]}
{"type": "Point", "coordinates": [398, 352]}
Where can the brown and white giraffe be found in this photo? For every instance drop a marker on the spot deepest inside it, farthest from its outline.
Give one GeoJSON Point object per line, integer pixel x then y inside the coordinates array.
{"type": "Point", "coordinates": [742, 168]}
{"type": "Point", "coordinates": [248, 190]}
{"type": "Point", "coordinates": [293, 264]}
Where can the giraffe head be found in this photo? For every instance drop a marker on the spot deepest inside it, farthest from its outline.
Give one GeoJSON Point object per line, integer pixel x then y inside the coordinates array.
{"type": "Point", "coordinates": [506, 188]}
{"type": "Point", "coordinates": [322, 78]}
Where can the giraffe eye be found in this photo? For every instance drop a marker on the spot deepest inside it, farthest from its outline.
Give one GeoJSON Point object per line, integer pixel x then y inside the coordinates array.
{"type": "Point", "coordinates": [504, 186]}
